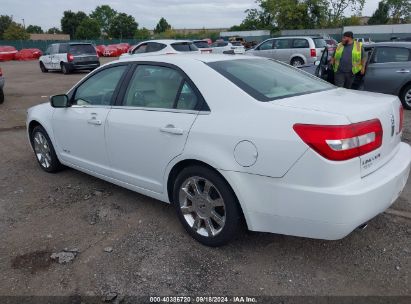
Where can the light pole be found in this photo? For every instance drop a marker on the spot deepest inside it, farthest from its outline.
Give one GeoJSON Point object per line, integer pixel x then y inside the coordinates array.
{"type": "Point", "coordinates": [24, 25]}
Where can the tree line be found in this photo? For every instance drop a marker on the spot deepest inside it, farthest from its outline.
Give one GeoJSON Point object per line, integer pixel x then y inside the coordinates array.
{"type": "Point", "coordinates": [275, 15]}
{"type": "Point", "coordinates": [104, 22]}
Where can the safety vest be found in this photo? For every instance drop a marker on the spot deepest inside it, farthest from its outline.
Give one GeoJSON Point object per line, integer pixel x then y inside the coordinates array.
{"type": "Point", "coordinates": [356, 57]}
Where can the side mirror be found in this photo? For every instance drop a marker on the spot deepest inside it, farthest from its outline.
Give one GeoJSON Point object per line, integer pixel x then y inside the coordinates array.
{"type": "Point", "coordinates": [59, 101]}
{"type": "Point", "coordinates": [317, 63]}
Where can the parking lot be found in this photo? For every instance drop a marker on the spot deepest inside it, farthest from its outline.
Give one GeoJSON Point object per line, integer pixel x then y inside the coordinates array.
{"type": "Point", "coordinates": [124, 243]}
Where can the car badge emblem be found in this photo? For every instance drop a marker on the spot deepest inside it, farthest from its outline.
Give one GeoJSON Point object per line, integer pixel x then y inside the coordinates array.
{"type": "Point", "coordinates": [392, 125]}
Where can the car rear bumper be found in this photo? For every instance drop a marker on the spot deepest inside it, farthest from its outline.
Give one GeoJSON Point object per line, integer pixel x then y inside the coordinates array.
{"type": "Point", "coordinates": [84, 65]}
{"type": "Point", "coordinates": [270, 205]}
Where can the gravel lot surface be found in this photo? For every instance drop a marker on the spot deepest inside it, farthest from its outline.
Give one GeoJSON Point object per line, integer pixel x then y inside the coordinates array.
{"type": "Point", "coordinates": [105, 239]}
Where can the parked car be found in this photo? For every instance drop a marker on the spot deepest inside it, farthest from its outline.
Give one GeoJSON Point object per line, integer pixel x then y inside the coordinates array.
{"type": "Point", "coordinates": [364, 41]}
{"type": "Point", "coordinates": [331, 45]}
{"type": "Point", "coordinates": [2, 81]}
{"type": "Point", "coordinates": [224, 47]}
{"type": "Point", "coordinates": [162, 47]}
{"type": "Point", "coordinates": [203, 46]}
{"type": "Point", "coordinates": [296, 51]}
{"type": "Point", "coordinates": [69, 57]}
{"type": "Point", "coordinates": [388, 70]}
{"type": "Point", "coordinates": [228, 139]}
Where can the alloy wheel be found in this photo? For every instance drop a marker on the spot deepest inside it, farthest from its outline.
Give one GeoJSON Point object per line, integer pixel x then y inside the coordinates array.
{"type": "Point", "coordinates": [407, 97]}
{"type": "Point", "coordinates": [202, 206]}
{"type": "Point", "coordinates": [42, 150]}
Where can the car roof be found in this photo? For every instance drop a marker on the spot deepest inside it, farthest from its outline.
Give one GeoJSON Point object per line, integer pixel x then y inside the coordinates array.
{"type": "Point", "coordinates": [167, 41]}
{"type": "Point", "coordinates": [71, 43]}
{"type": "Point", "coordinates": [184, 58]}
{"type": "Point", "coordinates": [394, 43]}
{"type": "Point", "coordinates": [298, 37]}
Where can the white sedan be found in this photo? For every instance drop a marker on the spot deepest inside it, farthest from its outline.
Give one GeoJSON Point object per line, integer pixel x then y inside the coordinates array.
{"type": "Point", "coordinates": [230, 140]}
{"type": "Point", "coordinates": [161, 47]}
{"type": "Point", "coordinates": [224, 47]}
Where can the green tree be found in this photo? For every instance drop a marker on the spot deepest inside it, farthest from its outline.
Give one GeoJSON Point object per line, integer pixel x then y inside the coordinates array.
{"type": "Point", "coordinates": [34, 29]}
{"type": "Point", "coordinates": [142, 34]}
{"type": "Point", "coordinates": [88, 29]}
{"type": "Point", "coordinates": [123, 26]}
{"type": "Point", "coordinates": [71, 21]}
{"type": "Point", "coordinates": [350, 21]}
{"type": "Point", "coordinates": [381, 14]}
{"type": "Point", "coordinates": [5, 22]}
{"type": "Point", "coordinates": [162, 26]}
{"type": "Point", "coordinates": [15, 32]}
{"type": "Point", "coordinates": [104, 14]}
{"type": "Point", "coordinates": [337, 9]}
{"type": "Point", "coordinates": [400, 11]}
{"type": "Point", "coordinates": [256, 19]}
{"type": "Point", "coordinates": [54, 30]}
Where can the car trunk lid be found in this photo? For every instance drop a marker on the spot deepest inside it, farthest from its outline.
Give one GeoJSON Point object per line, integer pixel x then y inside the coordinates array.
{"type": "Point", "coordinates": [358, 107]}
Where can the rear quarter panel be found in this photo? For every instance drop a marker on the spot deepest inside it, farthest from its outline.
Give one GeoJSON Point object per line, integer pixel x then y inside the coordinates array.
{"type": "Point", "coordinates": [235, 116]}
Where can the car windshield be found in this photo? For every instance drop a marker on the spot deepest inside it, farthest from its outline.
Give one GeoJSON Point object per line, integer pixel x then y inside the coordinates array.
{"type": "Point", "coordinates": [267, 80]}
{"type": "Point", "coordinates": [319, 43]}
{"type": "Point", "coordinates": [184, 47]}
{"type": "Point", "coordinates": [201, 44]}
{"type": "Point", "coordinates": [80, 49]}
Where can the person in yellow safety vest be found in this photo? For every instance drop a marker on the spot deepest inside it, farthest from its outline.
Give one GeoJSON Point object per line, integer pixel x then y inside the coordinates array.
{"type": "Point", "coordinates": [349, 59]}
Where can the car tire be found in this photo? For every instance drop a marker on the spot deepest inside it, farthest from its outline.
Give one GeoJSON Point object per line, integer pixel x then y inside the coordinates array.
{"type": "Point", "coordinates": [297, 62]}
{"type": "Point", "coordinates": [44, 150]}
{"type": "Point", "coordinates": [405, 97]}
{"type": "Point", "coordinates": [212, 217]}
{"type": "Point", "coordinates": [1, 96]}
{"type": "Point", "coordinates": [43, 68]}
{"type": "Point", "coordinates": [64, 68]}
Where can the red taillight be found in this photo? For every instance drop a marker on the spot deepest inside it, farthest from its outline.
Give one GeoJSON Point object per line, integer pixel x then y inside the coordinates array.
{"type": "Point", "coordinates": [1, 72]}
{"type": "Point", "coordinates": [342, 142]}
{"type": "Point", "coordinates": [401, 119]}
{"type": "Point", "coordinates": [313, 53]}
{"type": "Point", "coordinates": [70, 57]}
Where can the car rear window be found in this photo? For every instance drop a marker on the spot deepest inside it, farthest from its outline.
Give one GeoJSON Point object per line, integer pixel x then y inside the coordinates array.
{"type": "Point", "coordinates": [201, 44]}
{"type": "Point", "coordinates": [80, 49]}
{"type": "Point", "coordinates": [319, 43]}
{"type": "Point", "coordinates": [267, 80]}
{"type": "Point", "coordinates": [184, 47]}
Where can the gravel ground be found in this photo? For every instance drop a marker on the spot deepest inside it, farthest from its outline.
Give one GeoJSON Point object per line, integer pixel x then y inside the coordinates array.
{"type": "Point", "coordinates": [119, 242]}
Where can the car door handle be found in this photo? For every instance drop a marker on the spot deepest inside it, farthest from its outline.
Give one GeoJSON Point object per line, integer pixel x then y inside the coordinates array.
{"type": "Point", "coordinates": [172, 130]}
{"type": "Point", "coordinates": [403, 71]}
{"type": "Point", "coordinates": [94, 122]}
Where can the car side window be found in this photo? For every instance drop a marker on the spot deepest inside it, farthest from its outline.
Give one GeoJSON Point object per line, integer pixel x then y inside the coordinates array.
{"type": "Point", "coordinates": [48, 51]}
{"type": "Point", "coordinates": [391, 54]}
{"type": "Point", "coordinates": [54, 49]}
{"type": "Point", "coordinates": [300, 44]}
{"type": "Point", "coordinates": [154, 47]}
{"type": "Point", "coordinates": [268, 45]}
{"type": "Point", "coordinates": [188, 99]}
{"type": "Point", "coordinates": [282, 44]}
{"type": "Point", "coordinates": [63, 48]}
{"type": "Point", "coordinates": [140, 49]}
{"type": "Point", "coordinates": [99, 88]}
{"type": "Point", "coordinates": [153, 87]}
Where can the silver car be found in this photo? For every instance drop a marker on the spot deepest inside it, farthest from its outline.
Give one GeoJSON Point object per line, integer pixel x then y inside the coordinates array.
{"type": "Point", "coordinates": [296, 51]}
{"type": "Point", "coordinates": [388, 70]}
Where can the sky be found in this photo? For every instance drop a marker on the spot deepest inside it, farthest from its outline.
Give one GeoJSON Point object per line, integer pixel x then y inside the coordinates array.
{"type": "Point", "coordinates": [179, 13]}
